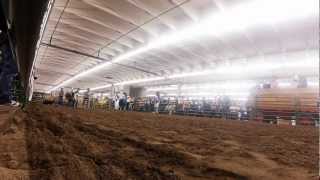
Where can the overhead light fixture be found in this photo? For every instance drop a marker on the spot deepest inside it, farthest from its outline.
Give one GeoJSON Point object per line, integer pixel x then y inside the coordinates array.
{"type": "Point", "coordinates": [246, 15]}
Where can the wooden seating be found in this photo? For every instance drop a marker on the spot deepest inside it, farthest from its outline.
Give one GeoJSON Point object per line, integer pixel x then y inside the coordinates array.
{"type": "Point", "coordinates": [287, 103]}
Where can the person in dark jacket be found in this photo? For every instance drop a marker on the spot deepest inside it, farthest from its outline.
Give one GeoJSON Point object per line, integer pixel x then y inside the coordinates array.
{"type": "Point", "coordinates": [60, 99]}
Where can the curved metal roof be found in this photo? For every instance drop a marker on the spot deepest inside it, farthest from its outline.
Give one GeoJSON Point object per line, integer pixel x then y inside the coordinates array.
{"type": "Point", "coordinates": [82, 34]}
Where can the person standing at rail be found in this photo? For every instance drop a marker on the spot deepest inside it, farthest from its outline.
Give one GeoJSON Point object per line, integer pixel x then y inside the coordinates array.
{"type": "Point", "coordinates": [116, 103]}
{"type": "Point", "coordinates": [74, 94]}
{"type": "Point", "coordinates": [226, 103]}
{"type": "Point", "coordinates": [120, 102]}
{"type": "Point", "coordinates": [86, 99]}
{"type": "Point", "coordinates": [157, 103]}
{"type": "Point", "coordinates": [60, 99]}
{"type": "Point", "coordinates": [123, 102]}
{"type": "Point", "coordinates": [69, 99]}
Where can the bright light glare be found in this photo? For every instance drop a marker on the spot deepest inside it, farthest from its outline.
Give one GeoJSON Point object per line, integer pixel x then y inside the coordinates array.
{"type": "Point", "coordinates": [313, 83]}
{"type": "Point", "coordinates": [260, 12]}
{"type": "Point", "coordinates": [284, 84]}
{"type": "Point", "coordinates": [212, 94]}
{"type": "Point", "coordinates": [101, 87]}
{"type": "Point", "coordinates": [170, 94]}
{"type": "Point", "coordinates": [221, 86]}
{"type": "Point", "coordinates": [184, 75]}
{"type": "Point", "coordinates": [140, 81]}
{"type": "Point", "coordinates": [253, 67]}
{"type": "Point", "coordinates": [246, 15]}
{"type": "Point", "coordinates": [169, 88]}
{"type": "Point", "coordinates": [84, 73]}
{"type": "Point", "coordinates": [151, 95]}
{"type": "Point", "coordinates": [106, 94]}
{"type": "Point", "coordinates": [235, 89]}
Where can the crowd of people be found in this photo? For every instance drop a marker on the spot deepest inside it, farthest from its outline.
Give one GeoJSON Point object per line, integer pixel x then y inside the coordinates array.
{"type": "Point", "coordinates": [120, 102]}
{"type": "Point", "coordinates": [123, 102]}
{"type": "Point", "coordinates": [71, 97]}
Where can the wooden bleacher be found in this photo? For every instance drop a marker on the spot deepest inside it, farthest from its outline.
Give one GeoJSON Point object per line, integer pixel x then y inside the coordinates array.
{"type": "Point", "coordinates": [287, 104]}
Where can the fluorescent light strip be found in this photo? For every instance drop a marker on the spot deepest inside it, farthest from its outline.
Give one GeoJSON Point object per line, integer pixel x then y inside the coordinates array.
{"type": "Point", "coordinates": [254, 13]}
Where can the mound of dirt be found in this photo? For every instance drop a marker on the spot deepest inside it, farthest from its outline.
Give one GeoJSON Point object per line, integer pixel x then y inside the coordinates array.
{"type": "Point", "coordinates": [47, 142]}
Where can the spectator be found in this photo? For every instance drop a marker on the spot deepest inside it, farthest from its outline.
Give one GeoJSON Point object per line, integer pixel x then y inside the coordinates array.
{"type": "Point", "coordinates": [60, 100]}
{"type": "Point", "coordinates": [116, 103]}
{"type": "Point", "coordinates": [86, 102]}
{"type": "Point", "coordinates": [157, 103]}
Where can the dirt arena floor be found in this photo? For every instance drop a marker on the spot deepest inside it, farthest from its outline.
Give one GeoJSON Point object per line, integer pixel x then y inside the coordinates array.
{"type": "Point", "coordinates": [56, 143]}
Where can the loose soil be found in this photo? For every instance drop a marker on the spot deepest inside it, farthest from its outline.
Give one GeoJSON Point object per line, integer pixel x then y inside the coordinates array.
{"type": "Point", "coordinates": [58, 143]}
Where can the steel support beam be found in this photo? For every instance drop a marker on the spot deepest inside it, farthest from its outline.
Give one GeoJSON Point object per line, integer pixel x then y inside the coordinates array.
{"type": "Point", "coordinates": [97, 57]}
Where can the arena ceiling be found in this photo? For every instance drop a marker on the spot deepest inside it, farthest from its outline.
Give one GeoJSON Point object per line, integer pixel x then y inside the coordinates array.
{"type": "Point", "coordinates": [96, 43]}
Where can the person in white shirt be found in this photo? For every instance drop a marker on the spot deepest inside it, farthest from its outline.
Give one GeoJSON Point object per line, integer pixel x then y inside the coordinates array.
{"type": "Point", "coordinates": [157, 103]}
{"type": "Point", "coordinates": [116, 103]}
{"type": "Point", "coordinates": [86, 99]}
